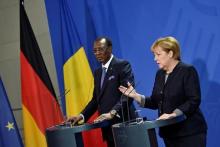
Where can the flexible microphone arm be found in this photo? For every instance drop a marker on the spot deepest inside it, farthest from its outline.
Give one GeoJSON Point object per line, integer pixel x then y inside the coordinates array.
{"type": "Point", "coordinates": [127, 99]}
{"type": "Point", "coordinates": [58, 101]}
{"type": "Point", "coordinates": [121, 101]}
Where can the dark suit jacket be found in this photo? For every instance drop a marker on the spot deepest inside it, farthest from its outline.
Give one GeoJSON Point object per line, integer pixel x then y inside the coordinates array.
{"type": "Point", "coordinates": [119, 73]}
{"type": "Point", "coordinates": [182, 91]}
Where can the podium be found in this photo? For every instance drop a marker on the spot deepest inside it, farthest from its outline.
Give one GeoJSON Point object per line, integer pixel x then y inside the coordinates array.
{"type": "Point", "coordinates": [133, 134]}
{"type": "Point", "coordinates": [70, 136]}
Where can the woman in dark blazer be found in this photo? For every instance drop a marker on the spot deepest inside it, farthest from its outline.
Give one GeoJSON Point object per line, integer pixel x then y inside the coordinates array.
{"type": "Point", "coordinates": [176, 91]}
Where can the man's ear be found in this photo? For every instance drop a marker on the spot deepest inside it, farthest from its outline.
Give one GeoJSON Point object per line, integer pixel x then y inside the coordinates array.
{"type": "Point", "coordinates": [109, 50]}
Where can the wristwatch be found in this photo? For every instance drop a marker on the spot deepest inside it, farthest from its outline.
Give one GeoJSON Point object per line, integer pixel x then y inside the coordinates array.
{"type": "Point", "coordinates": [114, 113]}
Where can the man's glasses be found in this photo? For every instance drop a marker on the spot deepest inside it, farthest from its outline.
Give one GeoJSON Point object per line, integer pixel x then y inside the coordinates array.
{"type": "Point", "coordinates": [99, 50]}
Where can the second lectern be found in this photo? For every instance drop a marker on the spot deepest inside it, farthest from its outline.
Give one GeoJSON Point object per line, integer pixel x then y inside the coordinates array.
{"type": "Point", "coordinates": [142, 134]}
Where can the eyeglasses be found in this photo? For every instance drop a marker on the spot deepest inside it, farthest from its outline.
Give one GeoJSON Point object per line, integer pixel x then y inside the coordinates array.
{"type": "Point", "coordinates": [99, 50]}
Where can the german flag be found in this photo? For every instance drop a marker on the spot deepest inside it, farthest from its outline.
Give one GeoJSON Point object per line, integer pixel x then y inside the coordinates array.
{"type": "Point", "coordinates": [40, 107]}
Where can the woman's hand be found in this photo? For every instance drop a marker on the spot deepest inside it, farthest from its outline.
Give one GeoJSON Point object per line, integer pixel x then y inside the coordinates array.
{"type": "Point", "coordinates": [167, 116]}
{"type": "Point", "coordinates": [130, 91]}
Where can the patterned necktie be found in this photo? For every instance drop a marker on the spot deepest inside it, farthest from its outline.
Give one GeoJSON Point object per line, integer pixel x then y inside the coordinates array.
{"type": "Point", "coordinates": [103, 76]}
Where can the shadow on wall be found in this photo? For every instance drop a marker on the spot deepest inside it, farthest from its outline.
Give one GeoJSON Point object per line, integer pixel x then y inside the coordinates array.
{"type": "Point", "coordinates": [210, 102]}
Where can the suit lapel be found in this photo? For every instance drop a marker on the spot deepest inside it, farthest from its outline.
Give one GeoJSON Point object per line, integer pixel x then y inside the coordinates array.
{"type": "Point", "coordinates": [99, 75]}
{"type": "Point", "coordinates": [106, 80]}
{"type": "Point", "coordinates": [109, 72]}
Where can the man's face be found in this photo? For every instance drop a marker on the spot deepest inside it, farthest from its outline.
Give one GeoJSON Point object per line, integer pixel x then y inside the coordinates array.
{"type": "Point", "coordinates": [101, 51]}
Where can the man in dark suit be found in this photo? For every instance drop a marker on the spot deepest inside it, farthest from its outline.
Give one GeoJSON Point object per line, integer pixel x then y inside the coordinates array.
{"type": "Point", "coordinates": [106, 96]}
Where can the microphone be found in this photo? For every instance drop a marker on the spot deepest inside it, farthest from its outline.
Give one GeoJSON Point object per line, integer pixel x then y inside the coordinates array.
{"type": "Point", "coordinates": [127, 107]}
{"type": "Point", "coordinates": [63, 94]}
{"type": "Point", "coordinates": [58, 103]}
{"type": "Point", "coordinates": [127, 99]}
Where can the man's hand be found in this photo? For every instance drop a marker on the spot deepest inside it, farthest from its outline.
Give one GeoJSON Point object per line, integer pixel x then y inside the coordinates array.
{"type": "Point", "coordinates": [74, 119]}
{"type": "Point", "coordinates": [102, 117]}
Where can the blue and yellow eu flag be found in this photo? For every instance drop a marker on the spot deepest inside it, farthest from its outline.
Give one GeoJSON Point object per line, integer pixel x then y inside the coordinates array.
{"type": "Point", "coordinates": [9, 135]}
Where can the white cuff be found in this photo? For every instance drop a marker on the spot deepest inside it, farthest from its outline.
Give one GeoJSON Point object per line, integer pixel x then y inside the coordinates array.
{"type": "Point", "coordinates": [83, 119]}
{"type": "Point", "coordinates": [178, 112]}
{"type": "Point", "coordinates": [142, 102]}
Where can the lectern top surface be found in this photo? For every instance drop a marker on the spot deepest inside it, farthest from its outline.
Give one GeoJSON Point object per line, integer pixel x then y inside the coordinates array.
{"type": "Point", "coordinates": [151, 124]}
{"type": "Point", "coordinates": [78, 128]}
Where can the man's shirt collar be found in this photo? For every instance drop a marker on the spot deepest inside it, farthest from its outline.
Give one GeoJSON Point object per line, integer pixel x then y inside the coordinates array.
{"type": "Point", "coordinates": [106, 65]}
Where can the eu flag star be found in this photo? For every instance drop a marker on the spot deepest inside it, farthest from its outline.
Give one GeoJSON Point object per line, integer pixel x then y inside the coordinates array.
{"type": "Point", "coordinates": [10, 126]}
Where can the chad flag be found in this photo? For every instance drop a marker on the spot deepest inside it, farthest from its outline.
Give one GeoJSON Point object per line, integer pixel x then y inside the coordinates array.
{"type": "Point", "coordinates": [66, 20]}
{"type": "Point", "coordinates": [39, 104]}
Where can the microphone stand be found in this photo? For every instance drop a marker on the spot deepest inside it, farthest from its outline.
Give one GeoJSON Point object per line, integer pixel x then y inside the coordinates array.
{"type": "Point", "coordinates": [58, 102]}
{"type": "Point", "coordinates": [122, 110]}
{"type": "Point", "coordinates": [127, 100]}
{"type": "Point", "coordinates": [121, 101]}
{"type": "Point", "coordinates": [128, 105]}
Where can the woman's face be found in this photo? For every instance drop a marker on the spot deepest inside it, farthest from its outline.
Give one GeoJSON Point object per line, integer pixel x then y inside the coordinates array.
{"type": "Point", "coordinates": [162, 58]}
